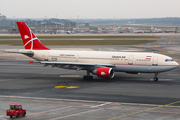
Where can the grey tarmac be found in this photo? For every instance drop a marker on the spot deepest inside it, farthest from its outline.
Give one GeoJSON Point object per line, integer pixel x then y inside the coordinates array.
{"type": "Point", "coordinates": [55, 109]}
{"type": "Point", "coordinates": [125, 97]}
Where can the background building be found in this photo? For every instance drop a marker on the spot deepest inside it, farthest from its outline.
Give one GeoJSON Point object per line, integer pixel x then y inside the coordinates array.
{"type": "Point", "coordinates": [3, 21]}
{"type": "Point", "coordinates": [2, 17]}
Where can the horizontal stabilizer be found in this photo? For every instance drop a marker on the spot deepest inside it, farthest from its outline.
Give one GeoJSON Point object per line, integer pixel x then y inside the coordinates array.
{"type": "Point", "coordinates": [20, 51]}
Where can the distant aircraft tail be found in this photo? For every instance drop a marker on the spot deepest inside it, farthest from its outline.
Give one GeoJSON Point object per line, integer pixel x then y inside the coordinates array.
{"type": "Point", "coordinates": [29, 39]}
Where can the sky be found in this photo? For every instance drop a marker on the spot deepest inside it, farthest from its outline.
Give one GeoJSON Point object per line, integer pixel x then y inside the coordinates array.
{"type": "Point", "coordinates": [95, 9]}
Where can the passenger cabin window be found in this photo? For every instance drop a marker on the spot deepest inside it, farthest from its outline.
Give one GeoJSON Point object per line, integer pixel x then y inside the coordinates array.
{"type": "Point", "coordinates": [169, 60]}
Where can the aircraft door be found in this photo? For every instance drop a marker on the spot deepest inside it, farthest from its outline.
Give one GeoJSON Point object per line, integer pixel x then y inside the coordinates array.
{"type": "Point", "coordinates": [155, 61]}
{"type": "Point", "coordinates": [76, 58]}
{"type": "Point", "coordinates": [130, 62]}
{"type": "Point", "coordinates": [46, 56]}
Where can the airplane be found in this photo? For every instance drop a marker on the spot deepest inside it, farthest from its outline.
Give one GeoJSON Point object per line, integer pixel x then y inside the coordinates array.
{"type": "Point", "coordinates": [102, 64]}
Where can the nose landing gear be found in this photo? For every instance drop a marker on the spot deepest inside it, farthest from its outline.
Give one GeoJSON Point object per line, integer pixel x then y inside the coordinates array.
{"type": "Point", "coordinates": [155, 76]}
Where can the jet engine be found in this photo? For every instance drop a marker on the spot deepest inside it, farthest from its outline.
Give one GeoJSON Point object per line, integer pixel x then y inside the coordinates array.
{"type": "Point", "coordinates": [105, 72]}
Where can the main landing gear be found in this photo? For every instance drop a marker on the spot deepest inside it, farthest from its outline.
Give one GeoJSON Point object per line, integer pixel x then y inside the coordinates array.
{"type": "Point", "coordinates": [88, 76]}
{"type": "Point", "coordinates": [155, 76]}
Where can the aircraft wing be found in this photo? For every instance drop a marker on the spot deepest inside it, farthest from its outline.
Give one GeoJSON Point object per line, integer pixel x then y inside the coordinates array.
{"type": "Point", "coordinates": [74, 65]}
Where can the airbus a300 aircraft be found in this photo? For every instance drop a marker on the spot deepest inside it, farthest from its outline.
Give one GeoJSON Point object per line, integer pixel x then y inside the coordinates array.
{"type": "Point", "coordinates": [102, 64]}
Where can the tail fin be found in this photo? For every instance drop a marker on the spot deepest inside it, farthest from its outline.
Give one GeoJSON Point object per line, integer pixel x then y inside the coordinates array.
{"type": "Point", "coordinates": [29, 39]}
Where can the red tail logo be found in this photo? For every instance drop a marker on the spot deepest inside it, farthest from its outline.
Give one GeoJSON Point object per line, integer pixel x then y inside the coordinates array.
{"type": "Point", "coordinates": [29, 39]}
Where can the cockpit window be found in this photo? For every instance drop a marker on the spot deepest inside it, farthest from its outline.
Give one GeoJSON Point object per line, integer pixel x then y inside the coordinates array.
{"type": "Point", "coordinates": [169, 60]}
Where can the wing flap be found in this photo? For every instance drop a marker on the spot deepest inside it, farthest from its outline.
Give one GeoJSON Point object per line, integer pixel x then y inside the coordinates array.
{"type": "Point", "coordinates": [73, 65]}
{"type": "Point", "coordinates": [77, 64]}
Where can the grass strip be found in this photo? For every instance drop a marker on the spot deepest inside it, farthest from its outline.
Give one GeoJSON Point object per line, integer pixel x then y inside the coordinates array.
{"type": "Point", "coordinates": [85, 42]}
{"type": "Point", "coordinates": [85, 37]}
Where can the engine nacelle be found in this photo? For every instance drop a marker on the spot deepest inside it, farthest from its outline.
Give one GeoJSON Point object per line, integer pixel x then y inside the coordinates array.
{"type": "Point", "coordinates": [104, 72]}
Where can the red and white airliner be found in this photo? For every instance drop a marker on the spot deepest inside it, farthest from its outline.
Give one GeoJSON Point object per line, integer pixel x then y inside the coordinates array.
{"type": "Point", "coordinates": [102, 64]}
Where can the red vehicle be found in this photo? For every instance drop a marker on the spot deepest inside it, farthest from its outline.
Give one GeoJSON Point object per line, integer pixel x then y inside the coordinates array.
{"type": "Point", "coordinates": [16, 110]}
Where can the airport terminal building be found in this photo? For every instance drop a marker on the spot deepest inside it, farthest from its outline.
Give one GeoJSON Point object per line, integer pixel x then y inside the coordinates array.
{"type": "Point", "coordinates": [3, 21]}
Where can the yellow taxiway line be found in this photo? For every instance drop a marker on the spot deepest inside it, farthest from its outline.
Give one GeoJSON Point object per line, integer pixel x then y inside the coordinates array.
{"type": "Point", "coordinates": [41, 90]}
{"type": "Point", "coordinates": [73, 87]}
{"type": "Point", "coordinates": [57, 87]}
{"type": "Point", "coordinates": [169, 42]}
{"type": "Point", "coordinates": [11, 96]}
{"type": "Point", "coordinates": [144, 110]}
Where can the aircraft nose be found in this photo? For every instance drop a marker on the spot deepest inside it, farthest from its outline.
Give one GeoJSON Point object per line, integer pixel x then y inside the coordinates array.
{"type": "Point", "coordinates": [177, 63]}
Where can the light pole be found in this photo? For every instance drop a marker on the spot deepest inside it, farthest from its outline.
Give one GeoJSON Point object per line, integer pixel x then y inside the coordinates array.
{"type": "Point", "coordinates": [45, 21]}
{"type": "Point", "coordinates": [13, 22]}
{"type": "Point", "coordinates": [78, 21]}
{"type": "Point", "coordinates": [98, 26]}
{"type": "Point", "coordinates": [56, 20]}
{"type": "Point", "coordinates": [114, 24]}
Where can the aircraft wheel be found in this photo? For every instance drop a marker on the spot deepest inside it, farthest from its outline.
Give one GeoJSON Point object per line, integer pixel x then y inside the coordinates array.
{"type": "Point", "coordinates": [85, 77]}
{"type": "Point", "coordinates": [155, 78]}
{"type": "Point", "coordinates": [90, 77]}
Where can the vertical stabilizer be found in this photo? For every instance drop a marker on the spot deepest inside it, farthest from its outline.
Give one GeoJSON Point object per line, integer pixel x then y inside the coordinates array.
{"type": "Point", "coordinates": [29, 39]}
